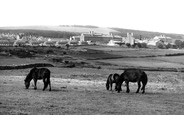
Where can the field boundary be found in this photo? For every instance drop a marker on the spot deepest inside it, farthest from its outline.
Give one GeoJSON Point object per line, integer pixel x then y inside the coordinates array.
{"type": "Point", "coordinates": [24, 66]}
{"type": "Point", "coordinates": [148, 56]}
{"type": "Point", "coordinates": [154, 69]}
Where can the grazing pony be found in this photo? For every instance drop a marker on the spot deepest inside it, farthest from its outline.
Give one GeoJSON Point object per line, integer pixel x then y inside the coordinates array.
{"type": "Point", "coordinates": [112, 78]}
{"type": "Point", "coordinates": [38, 74]}
{"type": "Point", "coordinates": [133, 75]}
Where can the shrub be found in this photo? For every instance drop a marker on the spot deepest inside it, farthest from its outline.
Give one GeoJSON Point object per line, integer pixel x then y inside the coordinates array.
{"type": "Point", "coordinates": [128, 44]}
{"type": "Point", "coordinates": [160, 45]}
{"type": "Point", "coordinates": [139, 45]}
{"type": "Point", "coordinates": [182, 44]}
{"type": "Point", "coordinates": [168, 46]}
{"type": "Point", "coordinates": [144, 45]}
{"type": "Point", "coordinates": [178, 43]}
{"type": "Point", "coordinates": [49, 51]}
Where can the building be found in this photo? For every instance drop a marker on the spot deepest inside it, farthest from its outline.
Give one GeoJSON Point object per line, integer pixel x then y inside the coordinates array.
{"type": "Point", "coordinates": [6, 43]}
{"type": "Point", "coordinates": [96, 37]}
{"type": "Point", "coordinates": [129, 39]}
{"type": "Point", "coordinates": [113, 43]}
{"type": "Point", "coordinates": [20, 43]}
{"type": "Point", "coordinates": [161, 38]}
{"type": "Point", "coordinates": [61, 43]}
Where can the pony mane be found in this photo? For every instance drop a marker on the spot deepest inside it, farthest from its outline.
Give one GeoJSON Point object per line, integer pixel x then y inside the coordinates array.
{"type": "Point", "coordinates": [29, 76]}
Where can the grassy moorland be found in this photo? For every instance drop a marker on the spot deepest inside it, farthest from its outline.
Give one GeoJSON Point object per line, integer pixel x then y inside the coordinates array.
{"type": "Point", "coordinates": [96, 56]}
{"type": "Point", "coordinates": [80, 88]}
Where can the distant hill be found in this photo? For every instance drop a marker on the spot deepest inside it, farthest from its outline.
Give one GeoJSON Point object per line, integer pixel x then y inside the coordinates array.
{"type": "Point", "coordinates": [75, 28]}
{"type": "Point", "coordinates": [65, 31]}
{"type": "Point", "coordinates": [146, 34]}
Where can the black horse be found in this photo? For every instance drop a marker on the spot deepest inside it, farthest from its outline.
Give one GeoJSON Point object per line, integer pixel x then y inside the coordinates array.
{"type": "Point", "coordinates": [112, 78]}
{"type": "Point", "coordinates": [38, 74]}
{"type": "Point", "coordinates": [133, 75]}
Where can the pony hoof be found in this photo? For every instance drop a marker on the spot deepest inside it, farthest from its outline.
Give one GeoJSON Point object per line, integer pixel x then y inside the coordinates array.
{"type": "Point", "coordinates": [35, 88]}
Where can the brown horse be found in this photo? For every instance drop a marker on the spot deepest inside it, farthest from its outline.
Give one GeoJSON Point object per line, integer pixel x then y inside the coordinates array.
{"type": "Point", "coordinates": [133, 75]}
{"type": "Point", "coordinates": [38, 74]}
{"type": "Point", "coordinates": [112, 78]}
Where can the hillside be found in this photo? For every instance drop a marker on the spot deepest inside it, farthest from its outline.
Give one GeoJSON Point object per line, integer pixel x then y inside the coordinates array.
{"type": "Point", "coordinates": [145, 34]}
{"type": "Point", "coordinates": [76, 29]}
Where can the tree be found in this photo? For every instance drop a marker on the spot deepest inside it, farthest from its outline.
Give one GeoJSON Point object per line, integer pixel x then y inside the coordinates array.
{"type": "Point", "coordinates": [139, 45]}
{"type": "Point", "coordinates": [160, 45]}
{"type": "Point", "coordinates": [143, 45]}
{"type": "Point", "coordinates": [178, 43]}
{"type": "Point", "coordinates": [168, 46]}
{"type": "Point", "coordinates": [128, 44]}
{"type": "Point", "coordinates": [182, 44]}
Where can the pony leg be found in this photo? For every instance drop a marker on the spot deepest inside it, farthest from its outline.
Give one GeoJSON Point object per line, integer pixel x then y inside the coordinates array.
{"type": "Point", "coordinates": [45, 84]}
{"type": "Point", "coordinates": [116, 87]}
{"type": "Point", "coordinates": [144, 82]}
{"type": "Point", "coordinates": [111, 86]}
{"type": "Point", "coordinates": [35, 81]}
{"type": "Point", "coordinates": [127, 84]}
{"type": "Point", "coordinates": [143, 88]}
{"type": "Point", "coordinates": [139, 85]}
{"type": "Point", "coordinates": [49, 85]}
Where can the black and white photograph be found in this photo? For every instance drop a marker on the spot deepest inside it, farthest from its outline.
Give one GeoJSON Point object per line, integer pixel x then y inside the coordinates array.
{"type": "Point", "coordinates": [91, 57]}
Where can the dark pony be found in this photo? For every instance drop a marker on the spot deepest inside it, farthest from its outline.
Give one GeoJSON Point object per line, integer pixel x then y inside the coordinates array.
{"type": "Point", "coordinates": [112, 78]}
{"type": "Point", "coordinates": [38, 74]}
{"type": "Point", "coordinates": [133, 75]}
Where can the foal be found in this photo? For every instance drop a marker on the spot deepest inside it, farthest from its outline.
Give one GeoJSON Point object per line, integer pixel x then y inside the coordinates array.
{"type": "Point", "coordinates": [112, 78]}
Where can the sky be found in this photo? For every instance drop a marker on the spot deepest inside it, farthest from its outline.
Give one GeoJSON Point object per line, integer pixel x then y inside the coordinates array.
{"type": "Point", "coordinates": [150, 15]}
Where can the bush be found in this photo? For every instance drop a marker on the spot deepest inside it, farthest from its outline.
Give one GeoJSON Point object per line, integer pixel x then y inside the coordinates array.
{"type": "Point", "coordinates": [168, 46]}
{"type": "Point", "coordinates": [144, 45]}
{"type": "Point", "coordinates": [49, 51]}
{"type": "Point", "coordinates": [182, 44]}
{"type": "Point", "coordinates": [20, 53]}
{"type": "Point", "coordinates": [160, 45]}
{"type": "Point", "coordinates": [178, 43]}
{"type": "Point", "coordinates": [128, 44]}
{"type": "Point", "coordinates": [141, 45]}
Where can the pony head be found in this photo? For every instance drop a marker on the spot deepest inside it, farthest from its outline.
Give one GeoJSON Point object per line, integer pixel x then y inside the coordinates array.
{"type": "Point", "coordinates": [119, 82]}
{"type": "Point", "coordinates": [27, 84]}
{"type": "Point", "coordinates": [29, 77]}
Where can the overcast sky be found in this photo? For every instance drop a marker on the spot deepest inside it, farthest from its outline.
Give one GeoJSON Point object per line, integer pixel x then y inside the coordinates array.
{"type": "Point", "coordinates": [150, 15]}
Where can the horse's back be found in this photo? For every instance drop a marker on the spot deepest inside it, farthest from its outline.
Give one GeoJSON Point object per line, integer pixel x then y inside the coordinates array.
{"type": "Point", "coordinates": [43, 73]}
{"type": "Point", "coordinates": [133, 75]}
